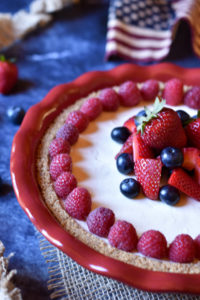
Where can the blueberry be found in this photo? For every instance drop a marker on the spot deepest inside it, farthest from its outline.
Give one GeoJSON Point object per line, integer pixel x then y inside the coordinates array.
{"type": "Point", "coordinates": [171, 157]}
{"type": "Point", "coordinates": [120, 134]}
{"type": "Point", "coordinates": [141, 113]}
{"type": "Point", "coordinates": [130, 187]}
{"type": "Point", "coordinates": [169, 194]}
{"type": "Point", "coordinates": [15, 114]}
{"type": "Point", "coordinates": [185, 117]}
{"type": "Point", "coordinates": [125, 164]}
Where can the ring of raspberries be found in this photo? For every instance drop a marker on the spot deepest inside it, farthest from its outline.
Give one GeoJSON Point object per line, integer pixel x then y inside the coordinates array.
{"type": "Point", "coordinates": [156, 140]}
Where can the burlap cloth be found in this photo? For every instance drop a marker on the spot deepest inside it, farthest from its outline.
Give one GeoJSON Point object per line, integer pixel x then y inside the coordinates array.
{"type": "Point", "coordinates": [68, 280]}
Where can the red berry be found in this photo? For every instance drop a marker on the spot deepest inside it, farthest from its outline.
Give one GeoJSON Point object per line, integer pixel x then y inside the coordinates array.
{"type": "Point", "coordinates": [130, 124]}
{"type": "Point", "coordinates": [129, 94]}
{"type": "Point", "coordinates": [185, 183]}
{"type": "Point", "coordinates": [197, 246]}
{"type": "Point", "coordinates": [192, 97]}
{"type": "Point", "coordinates": [173, 91]}
{"type": "Point", "coordinates": [92, 108]}
{"type": "Point", "coordinates": [8, 76]}
{"type": "Point", "coordinates": [100, 220]}
{"type": "Point", "coordinates": [192, 131]}
{"type": "Point", "coordinates": [182, 249]}
{"type": "Point", "coordinates": [78, 119]}
{"type": "Point", "coordinates": [58, 146]}
{"type": "Point", "coordinates": [140, 150]}
{"type": "Point", "coordinates": [59, 164]}
{"type": "Point", "coordinates": [68, 132]}
{"type": "Point", "coordinates": [123, 236]}
{"type": "Point", "coordinates": [153, 244]}
{"type": "Point", "coordinates": [192, 161]}
{"type": "Point", "coordinates": [148, 173]}
{"type": "Point", "coordinates": [127, 147]}
{"type": "Point", "coordinates": [78, 203]}
{"type": "Point", "coordinates": [109, 99]}
{"type": "Point", "coordinates": [64, 184]}
{"type": "Point", "coordinates": [149, 90]}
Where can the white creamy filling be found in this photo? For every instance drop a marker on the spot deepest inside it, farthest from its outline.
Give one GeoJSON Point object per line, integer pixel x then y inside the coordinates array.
{"type": "Point", "coordinates": [94, 166]}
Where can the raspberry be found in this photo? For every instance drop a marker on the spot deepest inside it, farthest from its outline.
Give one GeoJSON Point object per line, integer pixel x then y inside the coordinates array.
{"type": "Point", "coordinates": [153, 243]}
{"type": "Point", "coordinates": [197, 246]}
{"type": "Point", "coordinates": [182, 249]}
{"type": "Point", "coordinates": [59, 164]}
{"type": "Point", "coordinates": [173, 91]}
{"type": "Point", "coordinates": [109, 99]}
{"type": "Point", "coordinates": [92, 108]}
{"type": "Point", "coordinates": [149, 89]}
{"type": "Point", "coordinates": [192, 98]}
{"type": "Point", "coordinates": [123, 236]}
{"type": "Point", "coordinates": [100, 220]}
{"type": "Point", "coordinates": [78, 203]}
{"type": "Point", "coordinates": [58, 146]}
{"type": "Point", "coordinates": [129, 94]}
{"type": "Point", "coordinates": [78, 119]}
{"type": "Point", "coordinates": [64, 184]}
{"type": "Point", "coordinates": [68, 132]}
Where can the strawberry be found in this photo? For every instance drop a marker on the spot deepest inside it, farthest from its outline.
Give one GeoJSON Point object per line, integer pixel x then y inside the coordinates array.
{"type": "Point", "coordinates": [140, 150]}
{"type": "Point", "coordinates": [185, 183]}
{"type": "Point", "coordinates": [148, 173]}
{"type": "Point", "coordinates": [127, 146]}
{"type": "Point", "coordinates": [160, 127]}
{"type": "Point", "coordinates": [130, 124]}
{"type": "Point", "coordinates": [193, 132]}
{"type": "Point", "coordinates": [192, 161]}
{"type": "Point", "coordinates": [8, 75]}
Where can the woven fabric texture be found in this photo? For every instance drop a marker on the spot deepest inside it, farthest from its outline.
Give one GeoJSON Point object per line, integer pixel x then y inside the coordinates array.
{"type": "Point", "coordinates": [68, 280]}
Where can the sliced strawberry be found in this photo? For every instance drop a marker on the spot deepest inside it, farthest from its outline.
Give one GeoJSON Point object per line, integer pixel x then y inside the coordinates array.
{"type": "Point", "coordinates": [127, 146]}
{"type": "Point", "coordinates": [140, 150]}
{"type": "Point", "coordinates": [130, 124]}
{"type": "Point", "coordinates": [185, 183]}
{"type": "Point", "coordinates": [192, 161]}
{"type": "Point", "coordinates": [148, 173]}
{"type": "Point", "coordinates": [193, 132]}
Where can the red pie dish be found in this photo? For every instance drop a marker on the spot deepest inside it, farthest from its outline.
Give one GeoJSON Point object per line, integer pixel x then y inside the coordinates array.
{"type": "Point", "coordinates": [38, 127]}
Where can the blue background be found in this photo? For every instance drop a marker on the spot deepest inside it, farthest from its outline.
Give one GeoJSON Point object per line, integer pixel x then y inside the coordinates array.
{"type": "Point", "coordinates": [73, 43]}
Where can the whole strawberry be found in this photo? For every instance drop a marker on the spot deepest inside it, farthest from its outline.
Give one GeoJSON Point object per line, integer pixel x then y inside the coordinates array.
{"type": "Point", "coordinates": [161, 127]}
{"type": "Point", "coordinates": [8, 75]}
{"type": "Point", "coordinates": [193, 132]}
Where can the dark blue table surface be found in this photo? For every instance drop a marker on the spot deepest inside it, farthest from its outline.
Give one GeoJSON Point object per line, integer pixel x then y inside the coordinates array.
{"type": "Point", "coordinates": [73, 43]}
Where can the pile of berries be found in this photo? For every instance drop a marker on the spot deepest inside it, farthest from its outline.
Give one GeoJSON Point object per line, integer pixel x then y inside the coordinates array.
{"type": "Point", "coordinates": [152, 141]}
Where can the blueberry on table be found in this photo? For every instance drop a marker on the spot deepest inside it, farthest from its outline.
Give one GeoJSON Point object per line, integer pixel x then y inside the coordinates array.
{"type": "Point", "coordinates": [171, 157]}
{"type": "Point", "coordinates": [16, 114]}
{"type": "Point", "coordinates": [120, 134]}
{"type": "Point", "coordinates": [184, 116]}
{"type": "Point", "coordinates": [130, 187]}
{"type": "Point", "coordinates": [169, 194]}
{"type": "Point", "coordinates": [125, 164]}
{"type": "Point", "coordinates": [141, 113]}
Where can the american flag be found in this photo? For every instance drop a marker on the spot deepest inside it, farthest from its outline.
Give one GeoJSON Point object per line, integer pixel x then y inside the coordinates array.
{"type": "Point", "coordinates": [143, 30]}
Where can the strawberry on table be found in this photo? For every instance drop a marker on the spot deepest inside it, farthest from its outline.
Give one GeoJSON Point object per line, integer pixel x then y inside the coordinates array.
{"type": "Point", "coordinates": [193, 132]}
{"type": "Point", "coordinates": [148, 173]}
{"type": "Point", "coordinates": [8, 75]}
{"type": "Point", "coordinates": [161, 127]}
{"type": "Point", "coordinates": [185, 183]}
